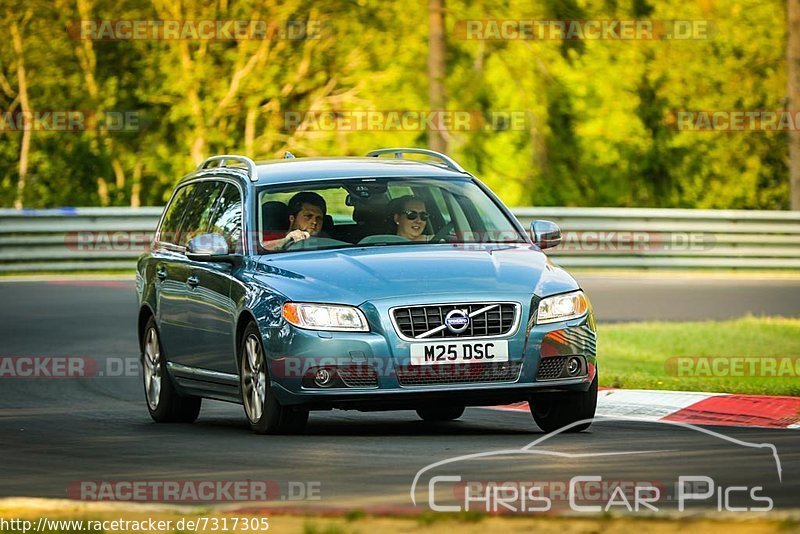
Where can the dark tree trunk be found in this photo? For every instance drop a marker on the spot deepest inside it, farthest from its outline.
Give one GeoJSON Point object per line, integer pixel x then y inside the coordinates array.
{"type": "Point", "coordinates": [436, 70]}
{"type": "Point", "coordinates": [793, 63]}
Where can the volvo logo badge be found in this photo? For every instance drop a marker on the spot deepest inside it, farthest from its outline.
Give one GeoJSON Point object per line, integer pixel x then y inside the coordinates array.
{"type": "Point", "coordinates": [456, 321]}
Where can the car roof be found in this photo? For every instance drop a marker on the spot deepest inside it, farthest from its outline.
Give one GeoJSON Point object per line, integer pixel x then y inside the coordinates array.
{"type": "Point", "coordinates": [298, 170]}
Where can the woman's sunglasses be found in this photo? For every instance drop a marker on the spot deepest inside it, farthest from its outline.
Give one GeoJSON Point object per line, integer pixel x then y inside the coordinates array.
{"type": "Point", "coordinates": [412, 215]}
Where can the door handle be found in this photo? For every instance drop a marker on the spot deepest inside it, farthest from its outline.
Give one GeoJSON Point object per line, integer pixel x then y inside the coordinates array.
{"type": "Point", "coordinates": [193, 281]}
{"type": "Point", "coordinates": [161, 272]}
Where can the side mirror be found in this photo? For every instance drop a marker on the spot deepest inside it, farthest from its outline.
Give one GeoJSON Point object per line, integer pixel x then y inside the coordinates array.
{"type": "Point", "coordinates": [210, 248]}
{"type": "Point", "coordinates": [545, 234]}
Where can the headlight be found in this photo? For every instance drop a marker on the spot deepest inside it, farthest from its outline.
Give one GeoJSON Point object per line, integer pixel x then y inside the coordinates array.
{"type": "Point", "coordinates": [562, 307]}
{"type": "Point", "coordinates": [325, 317]}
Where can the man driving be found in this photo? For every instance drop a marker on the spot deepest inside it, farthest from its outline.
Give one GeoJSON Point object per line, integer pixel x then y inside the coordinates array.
{"type": "Point", "coordinates": [306, 214]}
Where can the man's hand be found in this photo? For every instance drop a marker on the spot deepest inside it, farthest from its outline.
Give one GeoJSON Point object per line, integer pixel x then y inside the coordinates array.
{"type": "Point", "coordinates": [292, 237]}
{"type": "Point", "coordinates": [296, 235]}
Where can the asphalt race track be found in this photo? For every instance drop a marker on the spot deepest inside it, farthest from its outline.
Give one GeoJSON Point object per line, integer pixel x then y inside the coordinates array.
{"type": "Point", "coordinates": [56, 432]}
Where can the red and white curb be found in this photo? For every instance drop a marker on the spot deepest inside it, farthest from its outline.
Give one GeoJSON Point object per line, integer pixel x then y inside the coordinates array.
{"type": "Point", "coordinates": [762, 411]}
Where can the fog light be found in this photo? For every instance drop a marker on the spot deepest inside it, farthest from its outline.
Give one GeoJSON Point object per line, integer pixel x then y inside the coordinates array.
{"type": "Point", "coordinates": [324, 377]}
{"type": "Point", "coordinates": [573, 366]}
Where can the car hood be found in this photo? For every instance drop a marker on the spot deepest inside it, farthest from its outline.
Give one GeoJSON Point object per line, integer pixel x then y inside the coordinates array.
{"type": "Point", "coordinates": [356, 275]}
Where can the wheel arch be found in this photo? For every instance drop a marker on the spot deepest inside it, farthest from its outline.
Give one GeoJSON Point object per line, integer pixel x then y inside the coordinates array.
{"type": "Point", "coordinates": [145, 313]}
{"type": "Point", "coordinates": [245, 317]}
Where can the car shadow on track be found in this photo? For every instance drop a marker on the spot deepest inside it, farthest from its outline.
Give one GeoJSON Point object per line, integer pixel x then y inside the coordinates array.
{"type": "Point", "coordinates": [474, 423]}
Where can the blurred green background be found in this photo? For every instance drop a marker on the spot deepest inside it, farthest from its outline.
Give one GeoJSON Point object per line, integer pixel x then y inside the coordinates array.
{"type": "Point", "coordinates": [597, 129]}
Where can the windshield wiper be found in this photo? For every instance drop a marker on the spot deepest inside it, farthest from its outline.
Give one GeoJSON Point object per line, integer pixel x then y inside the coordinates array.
{"type": "Point", "coordinates": [488, 242]}
{"type": "Point", "coordinates": [393, 243]}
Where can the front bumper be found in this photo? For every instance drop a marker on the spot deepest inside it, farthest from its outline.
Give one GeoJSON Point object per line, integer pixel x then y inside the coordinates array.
{"type": "Point", "coordinates": [295, 356]}
{"type": "Point", "coordinates": [412, 398]}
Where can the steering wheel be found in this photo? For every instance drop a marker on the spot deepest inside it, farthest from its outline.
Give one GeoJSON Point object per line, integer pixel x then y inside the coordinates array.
{"type": "Point", "coordinates": [315, 242]}
{"type": "Point", "coordinates": [290, 244]}
{"type": "Point", "coordinates": [443, 231]}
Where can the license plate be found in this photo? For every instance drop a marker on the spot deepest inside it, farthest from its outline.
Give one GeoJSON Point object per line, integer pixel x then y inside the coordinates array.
{"type": "Point", "coordinates": [459, 352]}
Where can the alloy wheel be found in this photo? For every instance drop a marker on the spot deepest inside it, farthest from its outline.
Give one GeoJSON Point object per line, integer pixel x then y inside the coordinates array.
{"type": "Point", "coordinates": [254, 379]}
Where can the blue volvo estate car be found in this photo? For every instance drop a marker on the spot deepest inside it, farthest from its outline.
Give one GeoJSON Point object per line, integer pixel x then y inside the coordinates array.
{"type": "Point", "coordinates": [375, 283]}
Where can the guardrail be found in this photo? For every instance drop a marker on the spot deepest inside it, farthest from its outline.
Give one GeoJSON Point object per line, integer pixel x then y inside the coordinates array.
{"type": "Point", "coordinates": [90, 239]}
{"type": "Point", "coordinates": [673, 238]}
{"type": "Point", "coordinates": [74, 239]}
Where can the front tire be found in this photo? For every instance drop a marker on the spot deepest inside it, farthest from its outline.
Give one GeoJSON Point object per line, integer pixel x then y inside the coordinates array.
{"type": "Point", "coordinates": [440, 413]}
{"type": "Point", "coordinates": [553, 411]}
{"type": "Point", "coordinates": [164, 402]}
{"type": "Point", "coordinates": [264, 413]}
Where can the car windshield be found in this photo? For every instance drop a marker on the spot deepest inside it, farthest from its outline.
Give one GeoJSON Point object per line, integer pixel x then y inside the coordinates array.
{"type": "Point", "coordinates": [371, 212]}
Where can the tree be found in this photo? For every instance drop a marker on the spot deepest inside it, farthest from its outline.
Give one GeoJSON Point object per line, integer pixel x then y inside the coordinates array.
{"type": "Point", "coordinates": [437, 69]}
{"type": "Point", "coordinates": [597, 133]}
{"type": "Point", "coordinates": [793, 71]}
{"type": "Point", "coordinates": [24, 101]}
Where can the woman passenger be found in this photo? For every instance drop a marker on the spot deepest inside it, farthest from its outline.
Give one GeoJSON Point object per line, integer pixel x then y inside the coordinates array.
{"type": "Point", "coordinates": [410, 217]}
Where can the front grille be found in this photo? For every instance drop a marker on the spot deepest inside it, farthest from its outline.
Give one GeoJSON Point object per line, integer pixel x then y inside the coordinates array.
{"type": "Point", "coordinates": [414, 321]}
{"type": "Point", "coordinates": [358, 376]}
{"type": "Point", "coordinates": [550, 368]}
{"type": "Point", "coordinates": [430, 375]}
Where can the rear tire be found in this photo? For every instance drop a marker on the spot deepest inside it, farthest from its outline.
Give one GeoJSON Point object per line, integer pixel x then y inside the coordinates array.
{"type": "Point", "coordinates": [440, 413]}
{"type": "Point", "coordinates": [263, 411]}
{"type": "Point", "coordinates": [163, 401]}
{"type": "Point", "coordinates": [553, 411]}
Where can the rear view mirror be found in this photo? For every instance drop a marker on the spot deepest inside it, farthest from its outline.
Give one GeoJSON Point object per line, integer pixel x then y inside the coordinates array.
{"type": "Point", "coordinates": [545, 234]}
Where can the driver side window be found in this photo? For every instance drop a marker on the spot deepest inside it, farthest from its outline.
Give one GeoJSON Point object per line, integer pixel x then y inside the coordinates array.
{"type": "Point", "coordinates": [227, 218]}
{"type": "Point", "coordinates": [199, 212]}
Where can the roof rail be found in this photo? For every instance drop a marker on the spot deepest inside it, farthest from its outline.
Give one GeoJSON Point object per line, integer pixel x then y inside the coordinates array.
{"type": "Point", "coordinates": [252, 172]}
{"type": "Point", "coordinates": [398, 153]}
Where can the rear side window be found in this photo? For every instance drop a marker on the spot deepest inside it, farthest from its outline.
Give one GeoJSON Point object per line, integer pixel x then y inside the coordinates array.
{"type": "Point", "coordinates": [227, 218]}
{"type": "Point", "coordinates": [200, 211]}
{"type": "Point", "coordinates": [168, 233]}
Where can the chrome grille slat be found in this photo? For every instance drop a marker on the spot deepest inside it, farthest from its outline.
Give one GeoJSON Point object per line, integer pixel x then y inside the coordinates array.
{"type": "Point", "coordinates": [411, 322]}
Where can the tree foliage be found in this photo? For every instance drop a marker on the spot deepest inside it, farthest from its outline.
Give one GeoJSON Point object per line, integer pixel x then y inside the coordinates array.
{"type": "Point", "coordinates": [597, 128]}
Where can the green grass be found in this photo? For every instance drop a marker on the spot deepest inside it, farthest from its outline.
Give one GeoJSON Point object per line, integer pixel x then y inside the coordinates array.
{"type": "Point", "coordinates": [636, 355]}
{"type": "Point", "coordinates": [328, 528]}
{"type": "Point", "coordinates": [469, 516]}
